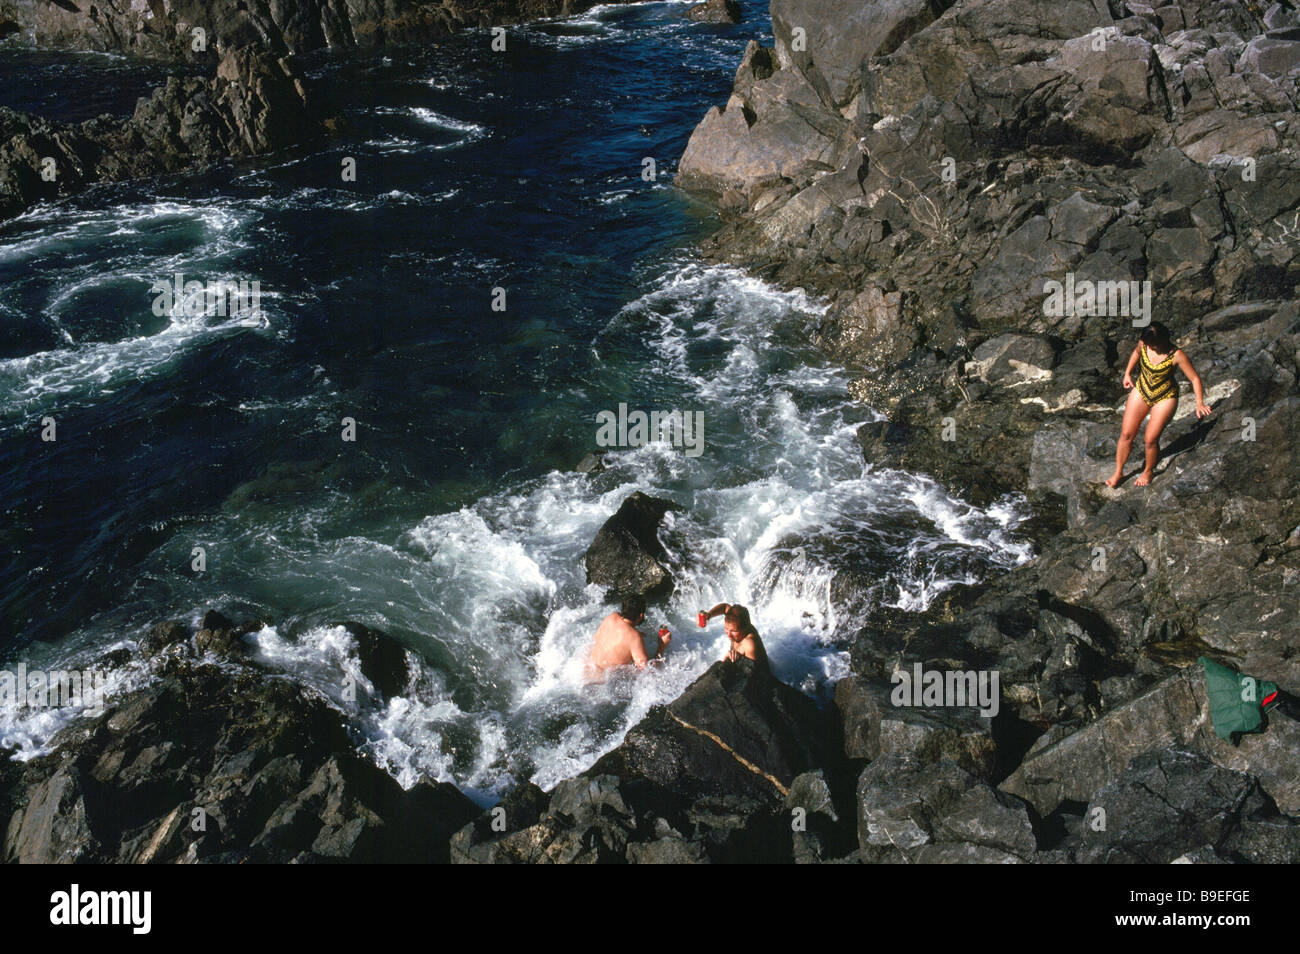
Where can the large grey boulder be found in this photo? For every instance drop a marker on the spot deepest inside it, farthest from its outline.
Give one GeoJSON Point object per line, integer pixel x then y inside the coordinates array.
{"type": "Point", "coordinates": [828, 40]}
{"type": "Point", "coordinates": [905, 804]}
{"type": "Point", "coordinates": [773, 126]}
{"type": "Point", "coordinates": [874, 727]}
{"type": "Point", "coordinates": [715, 11]}
{"type": "Point", "coordinates": [1171, 802]}
{"type": "Point", "coordinates": [1072, 766]}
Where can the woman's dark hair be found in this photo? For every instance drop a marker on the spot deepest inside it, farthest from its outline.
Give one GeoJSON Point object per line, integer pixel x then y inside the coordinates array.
{"type": "Point", "coordinates": [740, 616]}
{"type": "Point", "coordinates": [1157, 336]}
{"type": "Point", "coordinates": [633, 609]}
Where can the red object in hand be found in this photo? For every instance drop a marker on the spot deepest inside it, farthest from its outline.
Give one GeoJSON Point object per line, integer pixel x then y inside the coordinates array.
{"type": "Point", "coordinates": [663, 630]}
{"type": "Point", "coordinates": [704, 619]}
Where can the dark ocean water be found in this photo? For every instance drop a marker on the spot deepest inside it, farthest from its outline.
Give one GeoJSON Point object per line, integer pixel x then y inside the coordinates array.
{"type": "Point", "coordinates": [454, 521]}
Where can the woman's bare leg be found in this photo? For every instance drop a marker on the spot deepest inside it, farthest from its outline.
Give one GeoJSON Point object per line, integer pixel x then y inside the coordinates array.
{"type": "Point", "coordinates": [1160, 415]}
{"type": "Point", "coordinates": [1134, 411]}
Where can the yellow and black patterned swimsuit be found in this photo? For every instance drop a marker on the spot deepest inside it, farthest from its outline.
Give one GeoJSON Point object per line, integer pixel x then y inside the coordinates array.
{"type": "Point", "coordinates": [1156, 381]}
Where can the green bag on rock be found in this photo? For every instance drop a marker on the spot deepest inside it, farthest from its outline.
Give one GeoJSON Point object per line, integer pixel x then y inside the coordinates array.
{"type": "Point", "coordinates": [1237, 701]}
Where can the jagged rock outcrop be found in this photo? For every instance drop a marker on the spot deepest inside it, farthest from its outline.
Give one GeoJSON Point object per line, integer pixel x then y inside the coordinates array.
{"type": "Point", "coordinates": [720, 775]}
{"type": "Point", "coordinates": [1172, 802]}
{"type": "Point", "coordinates": [980, 189]}
{"type": "Point", "coordinates": [165, 29]}
{"type": "Point", "coordinates": [255, 104]}
{"type": "Point", "coordinates": [218, 763]}
{"type": "Point", "coordinates": [626, 554]}
{"type": "Point", "coordinates": [948, 162]}
{"type": "Point", "coordinates": [715, 11]}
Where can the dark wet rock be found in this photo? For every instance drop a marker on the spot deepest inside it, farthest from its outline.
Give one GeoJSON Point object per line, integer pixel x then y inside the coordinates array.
{"type": "Point", "coordinates": [384, 661]}
{"type": "Point", "coordinates": [219, 636]}
{"type": "Point", "coordinates": [162, 635]}
{"type": "Point", "coordinates": [714, 776]}
{"type": "Point", "coordinates": [214, 763]}
{"type": "Point", "coordinates": [113, 659]}
{"type": "Point", "coordinates": [593, 463]}
{"type": "Point", "coordinates": [626, 554]}
{"type": "Point", "coordinates": [735, 730]}
{"type": "Point", "coordinates": [215, 620]}
{"type": "Point", "coordinates": [715, 11]}
{"type": "Point", "coordinates": [873, 325]}
{"type": "Point", "coordinates": [737, 829]}
{"type": "Point", "coordinates": [219, 642]}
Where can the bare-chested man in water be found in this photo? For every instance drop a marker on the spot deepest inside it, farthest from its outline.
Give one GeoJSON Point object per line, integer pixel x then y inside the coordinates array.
{"type": "Point", "coordinates": [618, 642]}
{"type": "Point", "coordinates": [745, 640]}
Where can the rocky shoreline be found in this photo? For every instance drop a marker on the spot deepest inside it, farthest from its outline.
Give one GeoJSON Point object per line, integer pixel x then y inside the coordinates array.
{"type": "Point", "coordinates": [253, 101]}
{"type": "Point", "coordinates": [930, 172]}
{"type": "Point", "coordinates": [927, 167]}
{"type": "Point", "coordinates": [165, 29]}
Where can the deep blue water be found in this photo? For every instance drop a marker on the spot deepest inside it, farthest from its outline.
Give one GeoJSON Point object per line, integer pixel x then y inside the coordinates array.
{"type": "Point", "coordinates": [454, 521]}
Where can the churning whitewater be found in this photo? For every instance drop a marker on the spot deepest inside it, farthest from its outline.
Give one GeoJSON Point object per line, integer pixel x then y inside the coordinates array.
{"type": "Point", "coordinates": [455, 523]}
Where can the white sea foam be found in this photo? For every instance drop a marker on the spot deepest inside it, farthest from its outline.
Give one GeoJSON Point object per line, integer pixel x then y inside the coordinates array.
{"type": "Point", "coordinates": [28, 731]}
{"type": "Point", "coordinates": [494, 595]}
{"type": "Point", "coordinates": [120, 239]}
{"type": "Point", "coordinates": [497, 590]}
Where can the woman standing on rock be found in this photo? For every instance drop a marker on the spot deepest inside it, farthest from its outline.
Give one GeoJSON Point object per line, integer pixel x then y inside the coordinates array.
{"type": "Point", "coordinates": [1156, 392]}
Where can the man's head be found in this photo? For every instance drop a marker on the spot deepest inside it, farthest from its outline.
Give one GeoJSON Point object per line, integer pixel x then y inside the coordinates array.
{"type": "Point", "coordinates": [633, 610]}
{"type": "Point", "coordinates": [736, 623]}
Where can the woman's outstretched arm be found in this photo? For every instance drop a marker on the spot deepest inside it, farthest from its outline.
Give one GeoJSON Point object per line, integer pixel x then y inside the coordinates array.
{"type": "Point", "coordinates": [717, 610]}
{"type": "Point", "coordinates": [1185, 365]}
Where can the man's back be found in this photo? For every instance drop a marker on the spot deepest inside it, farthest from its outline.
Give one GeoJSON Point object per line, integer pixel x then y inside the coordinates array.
{"type": "Point", "coordinates": [614, 643]}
